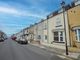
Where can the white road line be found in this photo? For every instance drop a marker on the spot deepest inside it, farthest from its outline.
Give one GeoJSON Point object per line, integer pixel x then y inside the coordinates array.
{"type": "Point", "coordinates": [42, 47]}
{"type": "Point", "coordinates": [61, 56]}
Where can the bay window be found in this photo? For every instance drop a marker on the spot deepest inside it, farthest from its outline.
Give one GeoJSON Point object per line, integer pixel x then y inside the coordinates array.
{"type": "Point", "coordinates": [77, 33]}
{"type": "Point", "coordinates": [59, 36]}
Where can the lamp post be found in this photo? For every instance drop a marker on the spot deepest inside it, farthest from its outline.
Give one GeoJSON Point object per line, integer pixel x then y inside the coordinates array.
{"type": "Point", "coordinates": [63, 6]}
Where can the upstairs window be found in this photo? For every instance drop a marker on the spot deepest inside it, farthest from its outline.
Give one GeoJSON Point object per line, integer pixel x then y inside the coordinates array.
{"type": "Point", "coordinates": [45, 37]}
{"type": "Point", "coordinates": [45, 26]}
{"type": "Point", "coordinates": [39, 36]}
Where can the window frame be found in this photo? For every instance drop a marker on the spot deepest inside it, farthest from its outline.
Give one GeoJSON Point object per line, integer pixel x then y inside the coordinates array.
{"type": "Point", "coordinates": [59, 36]}
{"type": "Point", "coordinates": [39, 36]}
{"type": "Point", "coordinates": [46, 37]}
{"type": "Point", "coordinates": [77, 35]}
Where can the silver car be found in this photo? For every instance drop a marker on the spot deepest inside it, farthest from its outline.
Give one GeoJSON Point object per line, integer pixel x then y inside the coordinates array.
{"type": "Point", "coordinates": [22, 41]}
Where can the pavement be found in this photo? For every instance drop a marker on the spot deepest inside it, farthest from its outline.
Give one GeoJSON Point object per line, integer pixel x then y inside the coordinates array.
{"type": "Point", "coordinates": [11, 50]}
{"type": "Point", "coordinates": [60, 52]}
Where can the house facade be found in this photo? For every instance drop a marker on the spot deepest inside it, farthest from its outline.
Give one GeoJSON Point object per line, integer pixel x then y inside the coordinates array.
{"type": "Point", "coordinates": [35, 31]}
{"type": "Point", "coordinates": [18, 35]}
{"type": "Point", "coordinates": [74, 25]}
{"type": "Point", "coordinates": [56, 32]}
{"type": "Point", "coordinates": [45, 31]}
{"type": "Point", "coordinates": [58, 27]}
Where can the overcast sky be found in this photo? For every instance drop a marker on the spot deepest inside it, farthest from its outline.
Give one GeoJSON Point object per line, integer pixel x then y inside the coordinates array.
{"type": "Point", "coordinates": [18, 14]}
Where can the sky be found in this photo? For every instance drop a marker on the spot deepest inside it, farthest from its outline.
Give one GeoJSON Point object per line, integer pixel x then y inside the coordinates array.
{"type": "Point", "coordinates": [16, 15]}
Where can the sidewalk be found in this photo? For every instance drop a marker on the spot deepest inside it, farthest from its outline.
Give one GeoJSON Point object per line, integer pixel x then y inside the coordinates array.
{"type": "Point", "coordinates": [71, 56]}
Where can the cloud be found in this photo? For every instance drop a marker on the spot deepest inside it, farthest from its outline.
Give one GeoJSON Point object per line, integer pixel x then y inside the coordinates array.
{"type": "Point", "coordinates": [8, 10]}
{"type": "Point", "coordinates": [17, 12]}
{"type": "Point", "coordinates": [10, 29]}
{"type": "Point", "coordinates": [12, 25]}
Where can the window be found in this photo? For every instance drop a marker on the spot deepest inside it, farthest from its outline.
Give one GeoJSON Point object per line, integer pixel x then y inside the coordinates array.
{"type": "Point", "coordinates": [58, 36]}
{"type": "Point", "coordinates": [77, 33]}
{"type": "Point", "coordinates": [45, 26]}
{"type": "Point", "coordinates": [39, 37]}
{"type": "Point", "coordinates": [61, 36]}
{"type": "Point", "coordinates": [45, 37]}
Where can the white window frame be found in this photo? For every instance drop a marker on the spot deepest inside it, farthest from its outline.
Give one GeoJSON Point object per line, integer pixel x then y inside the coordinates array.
{"type": "Point", "coordinates": [60, 36]}
{"type": "Point", "coordinates": [77, 31]}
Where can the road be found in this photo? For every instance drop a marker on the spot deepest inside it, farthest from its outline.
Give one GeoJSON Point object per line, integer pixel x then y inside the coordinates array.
{"type": "Point", "coordinates": [11, 50]}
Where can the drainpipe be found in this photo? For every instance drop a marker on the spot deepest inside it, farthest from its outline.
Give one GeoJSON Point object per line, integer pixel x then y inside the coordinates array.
{"type": "Point", "coordinates": [47, 31]}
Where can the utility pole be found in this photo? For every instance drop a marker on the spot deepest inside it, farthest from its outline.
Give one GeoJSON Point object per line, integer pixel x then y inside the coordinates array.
{"type": "Point", "coordinates": [63, 7]}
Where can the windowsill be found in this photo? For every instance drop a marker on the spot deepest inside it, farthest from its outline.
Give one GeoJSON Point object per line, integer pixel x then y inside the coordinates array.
{"type": "Point", "coordinates": [78, 41]}
{"type": "Point", "coordinates": [58, 42]}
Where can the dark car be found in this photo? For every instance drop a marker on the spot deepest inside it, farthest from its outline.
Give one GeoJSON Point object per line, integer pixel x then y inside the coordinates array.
{"type": "Point", "coordinates": [1, 39]}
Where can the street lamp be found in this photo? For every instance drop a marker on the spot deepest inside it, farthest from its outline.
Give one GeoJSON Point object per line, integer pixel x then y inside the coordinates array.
{"type": "Point", "coordinates": [63, 6]}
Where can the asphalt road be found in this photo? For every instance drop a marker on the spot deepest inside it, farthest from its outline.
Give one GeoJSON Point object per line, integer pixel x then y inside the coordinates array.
{"type": "Point", "coordinates": [10, 50]}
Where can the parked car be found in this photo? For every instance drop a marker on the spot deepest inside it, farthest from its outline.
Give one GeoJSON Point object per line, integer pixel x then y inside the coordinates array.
{"type": "Point", "coordinates": [13, 38]}
{"type": "Point", "coordinates": [6, 38]}
{"type": "Point", "coordinates": [1, 39]}
{"type": "Point", "coordinates": [22, 41]}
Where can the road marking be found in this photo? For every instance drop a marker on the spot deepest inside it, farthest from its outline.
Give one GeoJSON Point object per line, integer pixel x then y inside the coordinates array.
{"type": "Point", "coordinates": [61, 56]}
{"type": "Point", "coordinates": [42, 47]}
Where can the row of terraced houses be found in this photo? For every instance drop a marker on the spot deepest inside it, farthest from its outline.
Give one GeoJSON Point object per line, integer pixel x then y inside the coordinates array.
{"type": "Point", "coordinates": [51, 31]}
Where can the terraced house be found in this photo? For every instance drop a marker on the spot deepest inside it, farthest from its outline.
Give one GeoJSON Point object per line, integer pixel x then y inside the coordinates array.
{"type": "Point", "coordinates": [29, 33]}
{"type": "Point", "coordinates": [56, 31]}
{"type": "Point", "coordinates": [59, 26]}
{"type": "Point", "coordinates": [74, 24]}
